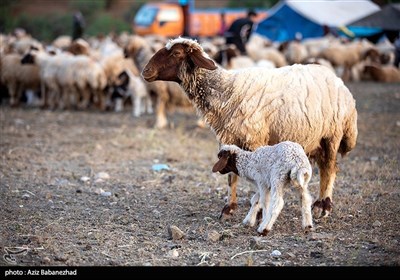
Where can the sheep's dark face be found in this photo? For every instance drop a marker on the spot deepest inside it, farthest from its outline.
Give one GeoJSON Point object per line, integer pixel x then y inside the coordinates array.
{"type": "Point", "coordinates": [226, 163]}
{"type": "Point", "coordinates": [28, 59]}
{"type": "Point", "coordinates": [166, 63]}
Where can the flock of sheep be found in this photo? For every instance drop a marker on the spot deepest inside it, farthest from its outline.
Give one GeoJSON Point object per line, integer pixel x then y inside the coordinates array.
{"type": "Point", "coordinates": [292, 93]}
{"type": "Point", "coordinates": [59, 72]}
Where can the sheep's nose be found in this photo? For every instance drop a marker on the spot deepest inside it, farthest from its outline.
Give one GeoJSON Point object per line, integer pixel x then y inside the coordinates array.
{"type": "Point", "coordinates": [146, 70]}
{"type": "Point", "coordinates": [148, 74]}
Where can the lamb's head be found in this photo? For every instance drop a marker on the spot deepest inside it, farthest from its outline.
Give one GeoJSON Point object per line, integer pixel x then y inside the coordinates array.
{"type": "Point", "coordinates": [227, 160]}
{"type": "Point", "coordinates": [166, 63]}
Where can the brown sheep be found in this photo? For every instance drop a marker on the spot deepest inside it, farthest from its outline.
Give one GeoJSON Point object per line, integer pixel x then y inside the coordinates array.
{"type": "Point", "coordinates": [383, 73]}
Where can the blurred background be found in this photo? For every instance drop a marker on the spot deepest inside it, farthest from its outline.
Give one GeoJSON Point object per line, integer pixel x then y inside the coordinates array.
{"type": "Point", "coordinates": [46, 19]}
{"type": "Point", "coordinates": [359, 40]}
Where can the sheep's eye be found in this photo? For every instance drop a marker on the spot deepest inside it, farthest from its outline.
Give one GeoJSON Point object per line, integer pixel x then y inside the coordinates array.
{"type": "Point", "coordinates": [176, 53]}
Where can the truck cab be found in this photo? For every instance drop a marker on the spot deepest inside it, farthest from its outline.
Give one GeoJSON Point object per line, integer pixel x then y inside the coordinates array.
{"type": "Point", "coordinates": [159, 18]}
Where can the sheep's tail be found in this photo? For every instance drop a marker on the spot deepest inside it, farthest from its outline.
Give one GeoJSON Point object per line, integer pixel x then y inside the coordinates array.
{"type": "Point", "coordinates": [300, 177]}
{"type": "Point", "coordinates": [349, 139]}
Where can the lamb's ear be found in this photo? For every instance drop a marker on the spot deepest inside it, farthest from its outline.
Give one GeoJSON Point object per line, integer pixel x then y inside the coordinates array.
{"type": "Point", "coordinates": [201, 61]}
{"type": "Point", "coordinates": [221, 163]}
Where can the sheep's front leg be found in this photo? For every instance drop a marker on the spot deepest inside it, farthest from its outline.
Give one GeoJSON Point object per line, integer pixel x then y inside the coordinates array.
{"type": "Point", "coordinates": [232, 199]}
{"type": "Point", "coordinates": [255, 207]}
{"type": "Point", "coordinates": [12, 89]}
{"type": "Point", "coordinates": [137, 105]}
{"type": "Point", "coordinates": [161, 115]}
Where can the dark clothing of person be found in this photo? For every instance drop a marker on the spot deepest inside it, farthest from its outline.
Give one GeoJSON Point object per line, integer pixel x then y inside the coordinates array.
{"type": "Point", "coordinates": [397, 52]}
{"type": "Point", "coordinates": [239, 33]}
{"type": "Point", "coordinates": [78, 26]}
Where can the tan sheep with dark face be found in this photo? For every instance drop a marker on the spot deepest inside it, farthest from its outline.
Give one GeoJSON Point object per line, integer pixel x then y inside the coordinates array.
{"type": "Point", "coordinates": [253, 107]}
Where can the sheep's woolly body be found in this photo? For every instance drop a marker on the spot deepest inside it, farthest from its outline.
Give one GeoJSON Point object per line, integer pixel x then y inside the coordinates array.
{"type": "Point", "coordinates": [18, 77]}
{"type": "Point", "coordinates": [234, 102]}
{"type": "Point", "coordinates": [281, 160]}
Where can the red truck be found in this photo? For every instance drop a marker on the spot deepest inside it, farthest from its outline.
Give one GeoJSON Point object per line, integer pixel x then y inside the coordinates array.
{"type": "Point", "coordinates": [168, 19]}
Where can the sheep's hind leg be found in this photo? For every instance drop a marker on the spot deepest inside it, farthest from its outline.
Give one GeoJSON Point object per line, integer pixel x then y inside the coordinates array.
{"type": "Point", "coordinates": [306, 202]}
{"type": "Point", "coordinates": [232, 199]}
{"type": "Point", "coordinates": [328, 169]}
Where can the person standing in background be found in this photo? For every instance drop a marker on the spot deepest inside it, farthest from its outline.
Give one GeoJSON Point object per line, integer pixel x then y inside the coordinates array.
{"type": "Point", "coordinates": [78, 25]}
{"type": "Point", "coordinates": [397, 51]}
{"type": "Point", "coordinates": [223, 27]}
{"type": "Point", "coordinates": [240, 30]}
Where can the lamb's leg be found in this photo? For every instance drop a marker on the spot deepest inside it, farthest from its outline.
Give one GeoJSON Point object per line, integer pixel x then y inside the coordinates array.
{"type": "Point", "coordinates": [328, 169]}
{"type": "Point", "coordinates": [255, 207]}
{"type": "Point", "coordinates": [306, 202]}
{"type": "Point", "coordinates": [232, 199]}
{"type": "Point", "coordinates": [275, 206]}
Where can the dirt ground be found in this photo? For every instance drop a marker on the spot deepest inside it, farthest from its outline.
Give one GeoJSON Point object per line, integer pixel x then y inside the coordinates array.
{"type": "Point", "coordinates": [78, 189]}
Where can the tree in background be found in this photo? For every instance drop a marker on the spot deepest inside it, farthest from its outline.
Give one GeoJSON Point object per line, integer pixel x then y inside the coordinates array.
{"type": "Point", "coordinates": [252, 3]}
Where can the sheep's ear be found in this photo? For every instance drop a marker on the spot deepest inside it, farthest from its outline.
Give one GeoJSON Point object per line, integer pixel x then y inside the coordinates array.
{"type": "Point", "coordinates": [201, 61]}
{"type": "Point", "coordinates": [221, 164]}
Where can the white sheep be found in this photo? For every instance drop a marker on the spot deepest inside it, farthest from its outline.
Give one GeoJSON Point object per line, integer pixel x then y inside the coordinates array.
{"type": "Point", "coordinates": [64, 74]}
{"type": "Point", "coordinates": [344, 57]}
{"type": "Point", "coordinates": [272, 169]}
{"type": "Point", "coordinates": [129, 85]}
{"type": "Point", "coordinates": [17, 77]}
{"type": "Point", "coordinates": [257, 106]}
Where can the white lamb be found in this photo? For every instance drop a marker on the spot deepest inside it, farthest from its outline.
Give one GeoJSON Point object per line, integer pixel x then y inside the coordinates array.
{"type": "Point", "coordinates": [272, 169]}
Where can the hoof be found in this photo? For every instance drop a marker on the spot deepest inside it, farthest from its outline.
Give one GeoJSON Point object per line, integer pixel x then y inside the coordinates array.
{"type": "Point", "coordinates": [263, 233]}
{"type": "Point", "coordinates": [228, 210]}
{"type": "Point", "coordinates": [317, 208]}
{"type": "Point", "coordinates": [246, 224]}
{"type": "Point", "coordinates": [308, 229]}
{"type": "Point", "coordinates": [327, 209]}
{"type": "Point", "coordinates": [322, 208]}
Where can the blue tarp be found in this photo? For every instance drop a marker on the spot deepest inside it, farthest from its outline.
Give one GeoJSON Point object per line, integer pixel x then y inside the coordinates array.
{"type": "Point", "coordinates": [284, 23]}
{"type": "Point", "coordinates": [359, 31]}
{"type": "Point", "coordinates": [290, 20]}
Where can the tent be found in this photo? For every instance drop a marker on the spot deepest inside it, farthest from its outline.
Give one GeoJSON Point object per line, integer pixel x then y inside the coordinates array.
{"type": "Point", "coordinates": [387, 19]}
{"type": "Point", "coordinates": [291, 19]}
